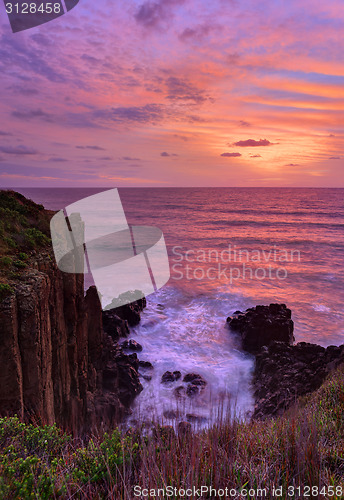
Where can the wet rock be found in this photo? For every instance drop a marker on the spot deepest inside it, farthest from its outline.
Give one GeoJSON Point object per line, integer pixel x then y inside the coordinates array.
{"type": "Point", "coordinates": [195, 379]}
{"type": "Point", "coordinates": [261, 325]}
{"type": "Point", "coordinates": [129, 384]}
{"type": "Point", "coordinates": [191, 417]}
{"type": "Point", "coordinates": [146, 377]}
{"type": "Point", "coordinates": [283, 373]}
{"type": "Point", "coordinates": [192, 390]}
{"type": "Point", "coordinates": [180, 391]}
{"type": "Point", "coordinates": [131, 345]}
{"type": "Point", "coordinates": [145, 364]}
{"type": "Point", "coordinates": [113, 325]}
{"type": "Point", "coordinates": [171, 414]}
{"type": "Point", "coordinates": [170, 376]}
{"type": "Point", "coordinates": [131, 312]}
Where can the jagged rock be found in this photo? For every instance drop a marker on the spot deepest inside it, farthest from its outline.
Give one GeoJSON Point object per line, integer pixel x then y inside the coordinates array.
{"type": "Point", "coordinates": [131, 345]}
{"type": "Point", "coordinates": [131, 312]}
{"type": "Point", "coordinates": [259, 326]}
{"type": "Point", "coordinates": [56, 362]}
{"type": "Point", "coordinates": [126, 368]}
{"type": "Point", "coordinates": [192, 390]}
{"type": "Point", "coordinates": [191, 417]}
{"type": "Point", "coordinates": [145, 364]}
{"type": "Point", "coordinates": [180, 391]}
{"type": "Point", "coordinates": [170, 377]}
{"type": "Point", "coordinates": [195, 379]}
{"type": "Point", "coordinates": [113, 325]}
{"type": "Point", "coordinates": [283, 373]}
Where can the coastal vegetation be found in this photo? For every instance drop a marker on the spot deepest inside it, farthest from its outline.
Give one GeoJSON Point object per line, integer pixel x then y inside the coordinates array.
{"type": "Point", "coordinates": [300, 449]}
{"type": "Point", "coordinates": [24, 229]}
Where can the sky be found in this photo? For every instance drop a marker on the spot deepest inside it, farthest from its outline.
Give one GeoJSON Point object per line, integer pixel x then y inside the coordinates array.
{"type": "Point", "coordinates": [175, 93]}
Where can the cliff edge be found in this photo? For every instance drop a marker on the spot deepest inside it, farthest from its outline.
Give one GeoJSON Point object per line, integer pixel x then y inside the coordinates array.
{"type": "Point", "coordinates": [56, 362]}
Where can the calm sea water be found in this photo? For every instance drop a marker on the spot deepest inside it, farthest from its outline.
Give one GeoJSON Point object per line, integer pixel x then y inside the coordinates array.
{"type": "Point", "coordinates": [230, 249]}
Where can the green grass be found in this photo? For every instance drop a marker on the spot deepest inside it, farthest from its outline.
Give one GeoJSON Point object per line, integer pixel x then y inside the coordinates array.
{"type": "Point", "coordinates": [302, 448]}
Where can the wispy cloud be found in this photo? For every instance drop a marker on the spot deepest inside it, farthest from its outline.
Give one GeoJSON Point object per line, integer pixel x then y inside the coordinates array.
{"type": "Point", "coordinates": [18, 150]}
{"type": "Point", "coordinates": [94, 148]}
{"type": "Point", "coordinates": [231, 155]}
{"type": "Point", "coordinates": [152, 14]}
{"type": "Point", "coordinates": [250, 143]}
{"type": "Point", "coordinates": [32, 114]}
{"type": "Point", "coordinates": [166, 155]}
{"type": "Point", "coordinates": [57, 159]}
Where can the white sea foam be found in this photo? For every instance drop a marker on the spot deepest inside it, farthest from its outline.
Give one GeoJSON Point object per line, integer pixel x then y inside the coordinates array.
{"type": "Point", "coordinates": [189, 335]}
{"type": "Point", "coordinates": [321, 308]}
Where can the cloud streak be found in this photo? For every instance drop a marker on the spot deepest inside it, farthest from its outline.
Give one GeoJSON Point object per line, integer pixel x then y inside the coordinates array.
{"type": "Point", "coordinates": [252, 143]}
{"type": "Point", "coordinates": [231, 155]}
{"type": "Point", "coordinates": [18, 150]}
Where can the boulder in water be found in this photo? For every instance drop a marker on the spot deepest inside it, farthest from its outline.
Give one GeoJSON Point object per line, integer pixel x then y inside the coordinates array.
{"type": "Point", "coordinates": [261, 325]}
{"type": "Point", "coordinates": [170, 376]}
{"type": "Point", "coordinates": [131, 345]}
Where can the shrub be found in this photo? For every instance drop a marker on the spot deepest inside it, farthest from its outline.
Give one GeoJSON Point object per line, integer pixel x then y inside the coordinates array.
{"type": "Point", "coordinates": [23, 256]}
{"type": "Point", "coordinates": [5, 290]}
{"type": "Point", "coordinates": [5, 261]}
{"type": "Point", "coordinates": [34, 237]}
{"type": "Point", "coordinates": [20, 264]}
{"type": "Point", "coordinates": [10, 242]}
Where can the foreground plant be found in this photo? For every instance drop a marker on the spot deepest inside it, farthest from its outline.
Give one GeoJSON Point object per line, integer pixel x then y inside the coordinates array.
{"type": "Point", "coordinates": [301, 453]}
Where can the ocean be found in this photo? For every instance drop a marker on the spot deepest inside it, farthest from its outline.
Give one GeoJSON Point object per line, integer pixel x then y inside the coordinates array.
{"type": "Point", "coordinates": [229, 249]}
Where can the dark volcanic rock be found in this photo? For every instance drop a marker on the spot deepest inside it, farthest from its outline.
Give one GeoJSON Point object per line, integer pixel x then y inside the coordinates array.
{"type": "Point", "coordinates": [192, 390]}
{"type": "Point", "coordinates": [195, 379]}
{"type": "Point", "coordinates": [131, 312]}
{"type": "Point", "coordinates": [170, 377]}
{"type": "Point", "coordinates": [113, 325]}
{"type": "Point", "coordinates": [131, 345]}
{"type": "Point", "coordinates": [180, 391]}
{"type": "Point", "coordinates": [145, 364]}
{"type": "Point", "coordinates": [195, 384]}
{"type": "Point", "coordinates": [56, 362]}
{"type": "Point", "coordinates": [120, 374]}
{"type": "Point", "coordinates": [259, 326]}
{"type": "Point", "coordinates": [283, 373]}
{"type": "Point", "coordinates": [191, 417]}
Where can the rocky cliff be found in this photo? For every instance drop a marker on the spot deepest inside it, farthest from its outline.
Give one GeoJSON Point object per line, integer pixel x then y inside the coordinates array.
{"type": "Point", "coordinates": [56, 362]}
{"type": "Point", "coordinates": [283, 371]}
